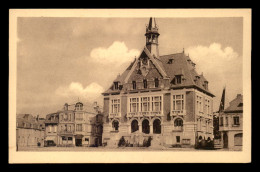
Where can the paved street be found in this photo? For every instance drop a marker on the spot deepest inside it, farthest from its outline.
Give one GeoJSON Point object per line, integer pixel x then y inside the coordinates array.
{"type": "Point", "coordinates": [103, 149]}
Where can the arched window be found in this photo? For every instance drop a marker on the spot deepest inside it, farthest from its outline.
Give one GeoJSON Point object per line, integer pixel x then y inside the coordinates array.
{"type": "Point", "coordinates": [134, 126]}
{"type": "Point", "coordinates": [157, 126]}
{"type": "Point", "coordinates": [178, 122]}
{"type": "Point", "coordinates": [145, 126]}
{"type": "Point", "coordinates": [115, 125]}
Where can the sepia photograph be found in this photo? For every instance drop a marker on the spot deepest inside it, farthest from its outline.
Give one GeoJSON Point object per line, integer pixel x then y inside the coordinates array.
{"type": "Point", "coordinates": [129, 86]}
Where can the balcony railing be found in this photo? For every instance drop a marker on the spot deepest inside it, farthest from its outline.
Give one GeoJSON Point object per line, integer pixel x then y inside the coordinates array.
{"type": "Point", "coordinates": [178, 112]}
{"type": "Point", "coordinates": [133, 114]}
{"type": "Point", "coordinates": [112, 115]}
{"type": "Point", "coordinates": [66, 132]}
{"type": "Point", "coordinates": [79, 119]}
{"type": "Point", "coordinates": [178, 128]}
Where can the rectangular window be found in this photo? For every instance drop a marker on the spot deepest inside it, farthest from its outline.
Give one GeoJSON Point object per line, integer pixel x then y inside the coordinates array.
{"type": "Point", "coordinates": [63, 138]}
{"type": "Point", "coordinates": [156, 103]}
{"type": "Point", "coordinates": [221, 121]}
{"type": "Point", "coordinates": [134, 104]}
{"type": "Point", "coordinates": [178, 79]}
{"type": "Point", "coordinates": [79, 116]}
{"type": "Point", "coordinates": [207, 107]}
{"type": "Point", "coordinates": [145, 83]}
{"type": "Point", "coordinates": [79, 127]}
{"type": "Point", "coordinates": [134, 85]}
{"type": "Point", "coordinates": [69, 138]}
{"type": "Point", "coordinates": [115, 106]}
{"type": "Point", "coordinates": [145, 104]}
{"type": "Point", "coordinates": [236, 120]}
{"type": "Point", "coordinates": [199, 104]}
{"type": "Point", "coordinates": [178, 102]}
{"type": "Point", "coordinates": [186, 141]}
{"type": "Point", "coordinates": [178, 139]}
{"type": "Point", "coordinates": [156, 82]}
{"type": "Point", "coordinates": [226, 120]}
{"type": "Point", "coordinates": [116, 85]}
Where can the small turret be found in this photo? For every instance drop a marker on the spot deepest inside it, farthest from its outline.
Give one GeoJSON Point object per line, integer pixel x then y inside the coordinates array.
{"type": "Point", "coordinates": [152, 35]}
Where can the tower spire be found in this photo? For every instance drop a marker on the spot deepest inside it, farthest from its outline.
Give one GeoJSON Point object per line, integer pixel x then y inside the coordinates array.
{"type": "Point", "coordinates": [152, 35]}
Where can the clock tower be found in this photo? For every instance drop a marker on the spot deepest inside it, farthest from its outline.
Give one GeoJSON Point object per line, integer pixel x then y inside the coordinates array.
{"type": "Point", "coordinates": [152, 37]}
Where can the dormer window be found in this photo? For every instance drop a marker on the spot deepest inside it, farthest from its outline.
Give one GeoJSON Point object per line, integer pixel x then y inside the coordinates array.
{"type": "Point", "coordinates": [116, 85]}
{"type": "Point", "coordinates": [134, 84]}
{"type": "Point", "coordinates": [145, 83]}
{"type": "Point", "coordinates": [178, 79]}
{"type": "Point", "coordinates": [170, 61]}
{"type": "Point", "coordinates": [79, 106]}
{"type": "Point", "coordinates": [156, 82]}
{"type": "Point", "coordinates": [206, 85]}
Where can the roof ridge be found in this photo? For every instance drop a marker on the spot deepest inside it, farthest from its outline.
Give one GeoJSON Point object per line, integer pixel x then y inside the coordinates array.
{"type": "Point", "coordinates": [170, 54]}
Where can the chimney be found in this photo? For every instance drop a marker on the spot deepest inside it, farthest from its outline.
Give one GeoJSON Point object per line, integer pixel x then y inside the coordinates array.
{"type": "Point", "coordinates": [239, 95]}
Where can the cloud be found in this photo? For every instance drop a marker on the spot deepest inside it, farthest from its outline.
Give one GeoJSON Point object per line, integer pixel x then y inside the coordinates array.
{"type": "Point", "coordinates": [117, 53]}
{"type": "Point", "coordinates": [75, 89]}
{"type": "Point", "coordinates": [220, 66]}
{"type": "Point", "coordinates": [213, 56]}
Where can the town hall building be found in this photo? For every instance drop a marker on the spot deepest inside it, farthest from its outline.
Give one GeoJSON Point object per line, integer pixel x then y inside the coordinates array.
{"type": "Point", "coordinates": [160, 97]}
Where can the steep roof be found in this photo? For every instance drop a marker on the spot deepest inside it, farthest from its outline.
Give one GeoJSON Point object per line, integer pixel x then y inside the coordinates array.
{"type": "Point", "coordinates": [28, 121]}
{"type": "Point", "coordinates": [170, 66]}
{"type": "Point", "coordinates": [235, 105]}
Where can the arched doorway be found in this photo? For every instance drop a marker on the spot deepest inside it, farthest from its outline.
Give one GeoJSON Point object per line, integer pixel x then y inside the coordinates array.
{"type": "Point", "coordinates": [115, 125]}
{"type": "Point", "coordinates": [225, 140]}
{"type": "Point", "coordinates": [145, 126]}
{"type": "Point", "coordinates": [134, 126]}
{"type": "Point", "coordinates": [157, 126]}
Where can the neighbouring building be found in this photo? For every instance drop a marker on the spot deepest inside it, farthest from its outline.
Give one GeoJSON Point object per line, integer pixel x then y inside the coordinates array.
{"type": "Point", "coordinates": [231, 124]}
{"type": "Point", "coordinates": [66, 126]}
{"type": "Point", "coordinates": [29, 130]}
{"type": "Point", "coordinates": [80, 125]}
{"type": "Point", "coordinates": [158, 96]}
{"type": "Point", "coordinates": [51, 129]}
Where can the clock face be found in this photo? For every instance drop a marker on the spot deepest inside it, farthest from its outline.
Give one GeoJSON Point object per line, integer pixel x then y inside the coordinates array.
{"type": "Point", "coordinates": [144, 70]}
{"type": "Point", "coordinates": [145, 61]}
{"type": "Point", "coordinates": [144, 66]}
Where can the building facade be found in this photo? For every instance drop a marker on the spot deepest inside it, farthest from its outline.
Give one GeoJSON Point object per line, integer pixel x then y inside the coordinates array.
{"type": "Point", "coordinates": [66, 127]}
{"type": "Point", "coordinates": [51, 129]}
{"type": "Point", "coordinates": [29, 131]}
{"type": "Point", "coordinates": [79, 125]}
{"type": "Point", "coordinates": [161, 97]}
{"type": "Point", "coordinates": [231, 124]}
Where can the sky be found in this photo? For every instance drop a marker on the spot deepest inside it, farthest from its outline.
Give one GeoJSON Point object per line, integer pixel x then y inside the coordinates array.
{"type": "Point", "coordinates": [63, 60]}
